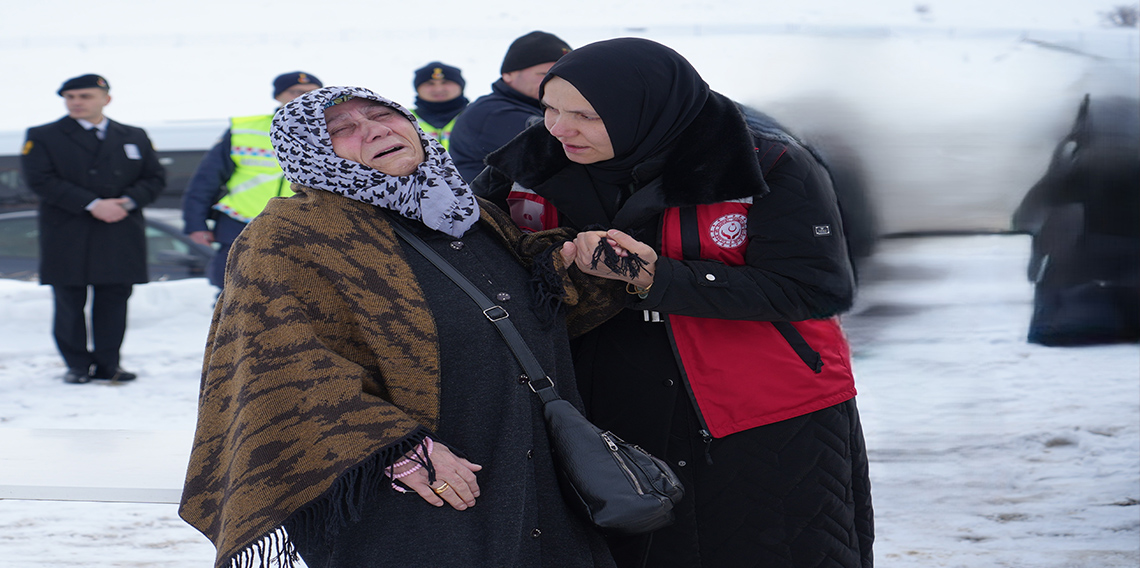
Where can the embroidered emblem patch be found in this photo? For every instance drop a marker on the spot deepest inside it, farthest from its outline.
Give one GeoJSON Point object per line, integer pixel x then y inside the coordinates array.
{"type": "Point", "coordinates": [728, 231]}
{"type": "Point", "coordinates": [27, 148]}
{"type": "Point", "coordinates": [821, 230]}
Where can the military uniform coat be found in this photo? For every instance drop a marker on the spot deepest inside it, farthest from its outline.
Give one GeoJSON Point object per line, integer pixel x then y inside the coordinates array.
{"type": "Point", "coordinates": [68, 168]}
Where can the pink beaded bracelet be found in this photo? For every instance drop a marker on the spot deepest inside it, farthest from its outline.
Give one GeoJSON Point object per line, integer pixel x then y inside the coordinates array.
{"type": "Point", "coordinates": [418, 465]}
{"type": "Point", "coordinates": [406, 461]}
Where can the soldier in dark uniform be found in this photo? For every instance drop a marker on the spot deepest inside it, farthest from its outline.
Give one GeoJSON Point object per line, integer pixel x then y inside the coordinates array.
{"type": "Point", "coordinates": [93, 177]}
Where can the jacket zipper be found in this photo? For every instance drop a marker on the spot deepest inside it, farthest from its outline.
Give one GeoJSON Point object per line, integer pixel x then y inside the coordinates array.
{"type": "Point", "coordinates": [703, 431]}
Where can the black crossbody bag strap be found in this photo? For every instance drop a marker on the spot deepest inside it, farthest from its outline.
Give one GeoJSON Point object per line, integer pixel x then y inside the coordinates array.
{"type": "Point", "coordinates": [539, 382]}
{"type": "Point", "coordinates": [617, 486]}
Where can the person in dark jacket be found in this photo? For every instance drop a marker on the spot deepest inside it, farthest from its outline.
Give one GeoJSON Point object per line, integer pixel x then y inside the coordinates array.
{"type": "Point", "coordinates": [729, 361]}
{"type": "Point", "coordinates": [493, 119]}
{"type": "Point", "coordinates": [93, 177]}
{"type": "Point", "coordinates": [439, 100]}
{"type": "Point", "coordinates": [237, 177]}
{"type": "Point", "coordinates": [1085, 261]}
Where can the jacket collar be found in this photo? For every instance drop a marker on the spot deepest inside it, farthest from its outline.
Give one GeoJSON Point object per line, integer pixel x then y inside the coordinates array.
{"type": "Point", "coordinates": [713, 160]}
{"type": "Point", "coordinates": [76, 132]}
{"type": "Point", "coordinates": [501, 87]}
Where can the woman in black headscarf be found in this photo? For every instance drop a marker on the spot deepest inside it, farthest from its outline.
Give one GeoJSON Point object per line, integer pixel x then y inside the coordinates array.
{"type": "Point", "coordinates": [730, 361]}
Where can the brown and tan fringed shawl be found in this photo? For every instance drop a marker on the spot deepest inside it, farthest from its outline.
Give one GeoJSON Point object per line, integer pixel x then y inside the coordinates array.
{"type": "Point", "coordinates": [321, 368]}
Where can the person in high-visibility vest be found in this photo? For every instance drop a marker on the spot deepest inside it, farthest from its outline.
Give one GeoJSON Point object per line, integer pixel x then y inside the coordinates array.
{"type": "Point", "coordinates": [439, 100]}
{"type": "Point", "coordinates": [238, 176]}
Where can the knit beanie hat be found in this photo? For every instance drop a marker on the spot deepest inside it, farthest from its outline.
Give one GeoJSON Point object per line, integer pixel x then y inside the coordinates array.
{"type": "Point", "coordinates": [533, 49]}
{"type": "Point", "coordinates": [286, 80]}
{"type": "Point", "coordinates": [437, 70]}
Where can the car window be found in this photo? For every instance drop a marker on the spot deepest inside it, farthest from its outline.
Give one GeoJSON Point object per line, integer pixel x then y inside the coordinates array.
{"type": "Point", "coordinates": [159, 241]}
{"type": "Point", "coordinates": [19, 238]}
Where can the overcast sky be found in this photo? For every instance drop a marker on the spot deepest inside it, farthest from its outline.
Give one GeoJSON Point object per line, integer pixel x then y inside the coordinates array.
{"type": "Point", "coordinates": [209, 59]}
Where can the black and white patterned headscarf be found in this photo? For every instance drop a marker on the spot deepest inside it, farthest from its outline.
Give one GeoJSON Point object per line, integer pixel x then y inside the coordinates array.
{"type": "Point", "coordinates": [434, 194]}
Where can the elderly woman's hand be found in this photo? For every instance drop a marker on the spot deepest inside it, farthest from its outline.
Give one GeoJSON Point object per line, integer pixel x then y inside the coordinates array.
{"type": "Point", "coordinates": [455, 475]}
{"type": "Point", "coordinates": [581, 252]}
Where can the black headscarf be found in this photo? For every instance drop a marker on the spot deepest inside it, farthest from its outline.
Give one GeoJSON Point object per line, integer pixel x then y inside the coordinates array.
{"type": "Point", "coordinates": [645, 93]}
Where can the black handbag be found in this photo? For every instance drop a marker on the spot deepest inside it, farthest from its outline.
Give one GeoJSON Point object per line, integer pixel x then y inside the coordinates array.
{"type": "Point", "coordinates": [617, 486]}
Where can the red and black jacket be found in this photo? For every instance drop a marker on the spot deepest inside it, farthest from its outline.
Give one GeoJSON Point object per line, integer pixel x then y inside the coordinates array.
{"type": "Point", "coordinates": [753, 265]}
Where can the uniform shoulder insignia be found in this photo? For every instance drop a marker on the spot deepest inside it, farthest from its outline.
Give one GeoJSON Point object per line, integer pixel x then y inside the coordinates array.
{"type": "Point", "coordinates": [27, 148]}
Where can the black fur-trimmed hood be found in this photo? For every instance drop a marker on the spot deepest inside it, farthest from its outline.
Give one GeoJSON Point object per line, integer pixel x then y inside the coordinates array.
{"type": "Point", "coordinates": [713, 160]}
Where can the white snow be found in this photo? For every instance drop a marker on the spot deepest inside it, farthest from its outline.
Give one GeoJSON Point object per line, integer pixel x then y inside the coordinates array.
{"type": "Point", "coordinates": [986, 450]}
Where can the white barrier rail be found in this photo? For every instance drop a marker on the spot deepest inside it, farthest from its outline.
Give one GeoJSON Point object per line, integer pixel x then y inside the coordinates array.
{"type": "Point", "coordinates": [123, 466]}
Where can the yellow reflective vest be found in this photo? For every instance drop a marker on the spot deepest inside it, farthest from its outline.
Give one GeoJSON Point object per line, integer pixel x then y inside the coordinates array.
{"type": "Point", "coordinates": [442, 135]}
{"type": "Point", "coordinates": [257, 176]}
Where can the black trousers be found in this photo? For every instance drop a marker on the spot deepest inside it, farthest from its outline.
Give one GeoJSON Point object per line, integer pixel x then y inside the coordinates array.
{"type": "Point", "coordinates": [108, 324]}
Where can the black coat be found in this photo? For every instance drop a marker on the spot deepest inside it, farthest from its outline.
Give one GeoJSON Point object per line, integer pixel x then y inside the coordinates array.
{"type": "Point", "coordinates": [68, 168]}
{"type": "Point", "coordinates": [207, 186]}
{"type": "Point", "coordinates": [488, 123]}
{"type": "Point", "coordinates": [806, 477]}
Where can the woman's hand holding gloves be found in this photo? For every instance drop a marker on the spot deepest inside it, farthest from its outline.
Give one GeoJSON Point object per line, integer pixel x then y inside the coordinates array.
{"type": "Point", "coordinates": [581, 251]}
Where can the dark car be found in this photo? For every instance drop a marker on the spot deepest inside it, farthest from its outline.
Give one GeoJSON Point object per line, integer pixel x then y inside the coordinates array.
{"type": "Point", "coordinates": [1085, 258]}
{"type": "Point", "coordinates": [170, 254]}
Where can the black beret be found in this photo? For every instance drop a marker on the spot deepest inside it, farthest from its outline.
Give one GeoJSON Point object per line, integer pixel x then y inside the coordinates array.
{"type": "Point", "coordinates": [437, 70]}
{"type": "Point", "coordinates": [286, 80]}
{"type": "Point", "coordinates": [84, 82]}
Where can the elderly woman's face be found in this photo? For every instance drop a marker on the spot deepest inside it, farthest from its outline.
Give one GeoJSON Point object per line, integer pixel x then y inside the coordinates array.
{"type": "Point", "coordinates": [369, 133]}
{"type": "Point", "coordinates": [572, 120]}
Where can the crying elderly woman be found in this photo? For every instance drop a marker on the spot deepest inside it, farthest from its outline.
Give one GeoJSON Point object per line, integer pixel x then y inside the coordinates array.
{"type": "Point", "coordinates": [356, 407]}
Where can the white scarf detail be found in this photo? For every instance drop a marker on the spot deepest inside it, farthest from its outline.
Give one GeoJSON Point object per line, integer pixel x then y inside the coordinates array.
{"type": "Point", "coordinates": [434, 194]}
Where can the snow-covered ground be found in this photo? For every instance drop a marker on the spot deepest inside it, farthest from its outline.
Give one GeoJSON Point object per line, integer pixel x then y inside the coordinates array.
{"type": "Point", "coordinates": [985, 450]}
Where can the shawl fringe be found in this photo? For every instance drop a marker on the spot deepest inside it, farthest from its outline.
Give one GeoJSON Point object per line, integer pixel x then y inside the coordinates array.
{"type": "Point", "coordinates": [548, 279]}
{"type": "Point", "coordinates": [321, 520]}
{"type": "Point", "coordinates": [548, 287]}
{"type": "Point", "coordinates": [273, 550]}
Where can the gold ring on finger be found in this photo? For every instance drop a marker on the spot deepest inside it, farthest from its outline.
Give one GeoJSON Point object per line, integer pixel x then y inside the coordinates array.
{"type": "Point", "coordinates": [439, 490]}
